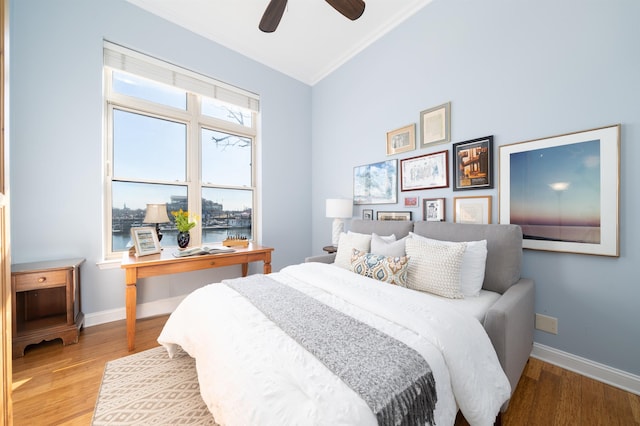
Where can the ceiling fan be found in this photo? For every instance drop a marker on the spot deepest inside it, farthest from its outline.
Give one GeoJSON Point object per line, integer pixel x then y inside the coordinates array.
{"type": "Point", "coordinates": [352, 9]}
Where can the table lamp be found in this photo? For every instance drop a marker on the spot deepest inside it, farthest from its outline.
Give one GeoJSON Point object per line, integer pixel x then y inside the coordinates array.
{"type": "Point", "coordinates": [157, 213]}
{"type": "Point", "coordinates": [338, 209]}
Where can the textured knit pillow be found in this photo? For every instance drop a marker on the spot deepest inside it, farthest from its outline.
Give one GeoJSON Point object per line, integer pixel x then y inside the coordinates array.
{"type": "Point", "coordinates": [435, 268]}
{"type": "Point", "coordinates": [346, 243]}
{"type": "Point", "coordinates": [387, 247]}
{"type": "Point", "coordinates": [392, 270]}
{"type": "Point", "coordinates": [473, 264]}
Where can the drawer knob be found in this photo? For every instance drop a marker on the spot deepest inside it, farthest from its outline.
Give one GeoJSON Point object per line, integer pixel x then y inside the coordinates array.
{"type": "Point", "coordinates": [42, 279]}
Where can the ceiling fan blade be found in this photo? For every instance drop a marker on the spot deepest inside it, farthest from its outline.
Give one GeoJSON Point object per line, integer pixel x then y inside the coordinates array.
{"type": "Point", "coordinates": [352, 9]}
{"type": "Point", "coordinates": [272, 15]}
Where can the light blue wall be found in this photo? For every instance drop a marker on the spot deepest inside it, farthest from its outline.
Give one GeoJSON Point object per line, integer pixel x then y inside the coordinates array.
{"type": "Point", "coordinates": [518, 70]}
{"type": "Point", "coordinates": [56, 138]}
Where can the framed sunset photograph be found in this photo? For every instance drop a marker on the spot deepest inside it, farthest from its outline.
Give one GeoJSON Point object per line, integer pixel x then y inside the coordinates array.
{"type": "Point", "coordinates": [563, 191]}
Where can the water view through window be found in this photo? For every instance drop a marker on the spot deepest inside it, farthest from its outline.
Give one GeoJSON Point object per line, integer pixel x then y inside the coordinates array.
{"type": "Point", "coordinates": [157, 157]}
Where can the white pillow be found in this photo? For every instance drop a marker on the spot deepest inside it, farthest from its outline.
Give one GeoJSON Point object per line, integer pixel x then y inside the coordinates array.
{"type": "Point", "coordinates": [473, 264]}
{"type": "Point", "coordinates": [384, 246]}
{"type": "Point", "coordinates": [346, 244]}
{"type": "Point", "coordinates": [435, 268]}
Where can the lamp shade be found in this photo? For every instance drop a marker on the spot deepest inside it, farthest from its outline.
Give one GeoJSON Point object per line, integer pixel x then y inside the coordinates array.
{"type": "Point", "coordinates": [156, 213]}
{"type": "Point", "coordinates": [339, 208]}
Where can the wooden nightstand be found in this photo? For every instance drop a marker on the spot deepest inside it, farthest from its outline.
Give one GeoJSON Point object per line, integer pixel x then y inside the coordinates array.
{"type": "Point", "coordinates": [330, 249]}
{"type": "Point", "coordinates": [46, 302]}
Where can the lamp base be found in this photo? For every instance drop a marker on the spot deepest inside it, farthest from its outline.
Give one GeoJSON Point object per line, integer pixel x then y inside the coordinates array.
{"type": "Point", "coordinates": [158, 232]}
{"type": "Point", "coordinates": [337, 228]}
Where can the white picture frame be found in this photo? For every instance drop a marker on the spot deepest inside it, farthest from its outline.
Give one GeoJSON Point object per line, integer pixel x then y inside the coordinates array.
{"type": "Point", "coordinates": [145, 240]}
{"type": "Point", "coordinates": [564, 177]}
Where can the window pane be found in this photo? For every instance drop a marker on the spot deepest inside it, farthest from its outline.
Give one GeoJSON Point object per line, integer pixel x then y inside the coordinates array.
{"type": "Point", "coordinates": [129, 206]}
{"type": "Point", "coordinates": [226, 213]}
{"type": "Point", "coordinates": [226, 159]}
{"type": "Point", "coordinates": [230, 113]}
{"type": "Point", "coordinates": [131, 85]}
{"type": "Point", "coordinates": [148, 148]}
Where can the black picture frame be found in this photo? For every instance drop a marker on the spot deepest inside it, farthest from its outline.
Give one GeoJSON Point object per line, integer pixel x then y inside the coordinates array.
{"type": "Point", "coordinates": [472, 164]}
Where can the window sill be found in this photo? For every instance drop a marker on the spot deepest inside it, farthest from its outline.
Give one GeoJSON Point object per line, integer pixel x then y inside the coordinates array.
{"type": "Point", "coordinates": [108, 264]}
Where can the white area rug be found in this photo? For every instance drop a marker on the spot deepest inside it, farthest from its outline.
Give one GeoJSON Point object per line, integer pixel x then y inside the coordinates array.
{"type": "Point", "coordinates": [149, 388]}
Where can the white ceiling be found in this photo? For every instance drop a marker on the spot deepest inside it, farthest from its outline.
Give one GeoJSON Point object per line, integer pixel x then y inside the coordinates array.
{"type": "Point", "coordinates": [312, 40]}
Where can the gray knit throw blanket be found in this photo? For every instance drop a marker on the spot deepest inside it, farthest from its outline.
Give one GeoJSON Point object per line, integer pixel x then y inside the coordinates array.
{"type": "Point", "coordinates": [392, 378]}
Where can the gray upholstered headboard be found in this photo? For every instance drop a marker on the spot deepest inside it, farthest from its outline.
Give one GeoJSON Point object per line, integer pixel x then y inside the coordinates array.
{"type": "Point", "coordinates": [504, 248]}
{"type": "Point", "coordinates": [400, 228]}
{"type": "Point", "coordinates": [504, 244]}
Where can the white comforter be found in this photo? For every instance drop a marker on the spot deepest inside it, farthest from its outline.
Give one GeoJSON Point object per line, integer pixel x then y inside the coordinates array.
{"type": "Point", "coordinates": [251, 373]}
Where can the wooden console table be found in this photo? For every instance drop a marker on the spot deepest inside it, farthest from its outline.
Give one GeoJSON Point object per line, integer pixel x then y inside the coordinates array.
{"type": "Point", "coordinates": [165, 263]}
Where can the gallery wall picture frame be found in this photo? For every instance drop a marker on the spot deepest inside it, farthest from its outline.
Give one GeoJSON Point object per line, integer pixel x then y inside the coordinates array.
{"type": "Point", "coordinates": [411, 201]}
{"type": "Point", "coordinates": [145, 240]}
{"type": "Point", "coordinates": [433, 209]}
{"type": "Point", "coordinates": [376, 183]}
{"type": "Point", "coordinates": [435, 125]}
{"type": "Point", "coordinates": [475, 210]}
{"type": "Point", "coordinates": [367, 214]}
{"type": "Point", "coordinates": [401, 140]}
{"type": "Point", "coordinates": [393, 215]}
{"type": "Point", "coordinates": [564, 191]}
{"type": "Point", "coordinates": [472, 164]}
{"type": "Point", "coordinates": [428, 171]}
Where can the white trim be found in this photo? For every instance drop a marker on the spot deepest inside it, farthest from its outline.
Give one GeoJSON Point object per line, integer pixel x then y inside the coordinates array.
{"type": "Point", "coordinates": [393, 22]}
{"type": "Point", "coordinates": [603, 373]}
{"type": "Point", "coordinates": [143, 310]}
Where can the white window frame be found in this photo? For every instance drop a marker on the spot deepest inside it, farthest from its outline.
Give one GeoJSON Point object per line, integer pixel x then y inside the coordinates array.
{"type": "Point", "coordinates": [118, 58]}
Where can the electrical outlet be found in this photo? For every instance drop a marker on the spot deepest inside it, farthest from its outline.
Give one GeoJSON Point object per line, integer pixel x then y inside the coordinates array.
{"type": "Point", "coordinates": [547, 323]}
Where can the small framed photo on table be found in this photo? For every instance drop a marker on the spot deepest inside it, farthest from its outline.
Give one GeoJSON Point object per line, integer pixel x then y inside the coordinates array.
{"type": "Point", "coordinates": [145, 240]}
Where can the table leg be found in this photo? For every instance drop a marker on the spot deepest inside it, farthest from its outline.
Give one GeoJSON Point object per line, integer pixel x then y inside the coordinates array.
{"type": "Point", "coordinates": [266, 269]}
{"type": "Point", "coordinates": [130, 307]}
{"type": "Point", "coordinates": [245, 269]}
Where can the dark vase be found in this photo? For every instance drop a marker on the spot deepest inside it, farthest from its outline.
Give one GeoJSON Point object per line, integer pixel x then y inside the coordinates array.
{"type": "Point", "coordinates": [183, 239]}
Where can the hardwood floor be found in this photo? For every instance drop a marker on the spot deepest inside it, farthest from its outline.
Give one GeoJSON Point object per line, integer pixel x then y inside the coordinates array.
{"type": "Point", "coordinates": [56, 385]}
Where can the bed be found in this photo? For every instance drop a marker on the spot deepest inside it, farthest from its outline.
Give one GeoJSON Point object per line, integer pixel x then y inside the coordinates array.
{"type": "Point", "coordinates": [253, 372]}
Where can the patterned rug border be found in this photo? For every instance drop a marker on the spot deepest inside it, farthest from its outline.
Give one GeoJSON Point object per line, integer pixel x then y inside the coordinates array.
{"type": "Point", "coordinates": [150, 388]}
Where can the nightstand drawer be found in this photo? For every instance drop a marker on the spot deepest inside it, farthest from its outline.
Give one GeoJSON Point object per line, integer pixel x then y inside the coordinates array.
{"type": "Point", "coordinates": [39, 280]}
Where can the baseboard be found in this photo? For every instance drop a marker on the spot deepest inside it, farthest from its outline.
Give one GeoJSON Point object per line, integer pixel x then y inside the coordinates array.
{"type": "Point", "coordinates": [143, 310]}
{"type": "Point", "coordinates": [603, 373]}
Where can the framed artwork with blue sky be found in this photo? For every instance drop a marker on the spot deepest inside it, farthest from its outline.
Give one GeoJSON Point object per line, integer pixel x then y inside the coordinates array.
{"type": "Point", "coordinates": [563, 191]}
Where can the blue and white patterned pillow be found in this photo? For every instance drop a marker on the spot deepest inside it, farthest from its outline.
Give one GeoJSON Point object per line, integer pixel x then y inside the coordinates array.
{"type": "Point", "coordinates": [392, 270]}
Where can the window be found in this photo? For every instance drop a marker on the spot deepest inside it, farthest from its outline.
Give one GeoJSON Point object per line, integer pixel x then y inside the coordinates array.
{"type": "Point", "coordinates": [176, 137]}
